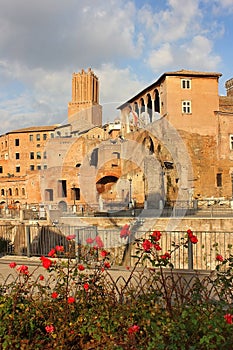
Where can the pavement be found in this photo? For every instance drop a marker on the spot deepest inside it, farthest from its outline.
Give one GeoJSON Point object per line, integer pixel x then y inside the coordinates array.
{"type": "Point", "coordinates": [7, 274]}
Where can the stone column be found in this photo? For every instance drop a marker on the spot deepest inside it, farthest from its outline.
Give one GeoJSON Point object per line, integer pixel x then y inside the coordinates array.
{"type": "Point", "coordinates": [125, 121]}
{"type": "Point", "coordinates": [153, 111]}
{"type": "Point", "coordinates": [146, 116]}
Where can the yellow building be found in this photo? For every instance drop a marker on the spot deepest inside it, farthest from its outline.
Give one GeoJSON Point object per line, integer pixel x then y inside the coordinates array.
{"type": "Point", "coordinates": [173, 142]}
{"type": "Point", "coordinates": [190, 104]}
{"type": "Point", "coordinates": [22, 156]}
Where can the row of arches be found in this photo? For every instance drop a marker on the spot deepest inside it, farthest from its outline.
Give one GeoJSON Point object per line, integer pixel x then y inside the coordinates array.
{"type": "Point", "coordinates": [144, 110]}
{"type": "Point", "coordinates": [9, 192]}
{"type": "Point", "coordinates": [149, 104]}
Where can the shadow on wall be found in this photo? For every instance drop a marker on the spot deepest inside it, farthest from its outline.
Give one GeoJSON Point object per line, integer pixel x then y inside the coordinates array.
{"type": "Point", "coordinates": [41, 241]}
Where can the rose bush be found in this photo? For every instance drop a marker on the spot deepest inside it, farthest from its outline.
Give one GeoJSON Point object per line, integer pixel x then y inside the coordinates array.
{"type": "Point", "coordinates": [71, 305]}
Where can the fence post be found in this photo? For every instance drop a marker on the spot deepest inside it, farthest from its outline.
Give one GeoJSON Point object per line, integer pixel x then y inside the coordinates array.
{"type": "Point", "coordinates": [190, 255]}
{"type": "Point", "coordinates": [28, 240]}
{"type": "Point", "coordinates": [78, 246]}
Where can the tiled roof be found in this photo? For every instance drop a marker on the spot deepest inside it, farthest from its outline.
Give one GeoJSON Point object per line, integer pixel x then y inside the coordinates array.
{"type": "Point", "coordinates": [34, 129]}
{"type": "Point", "coordinates": [193, 73]}
{"type": "Point", "coordinates": [182, 72]}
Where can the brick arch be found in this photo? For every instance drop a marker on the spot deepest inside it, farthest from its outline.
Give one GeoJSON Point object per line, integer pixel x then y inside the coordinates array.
{"type": "Point", "coordinates": [148, 143]}
{"type": "Point", "coordinates": [105, 183]}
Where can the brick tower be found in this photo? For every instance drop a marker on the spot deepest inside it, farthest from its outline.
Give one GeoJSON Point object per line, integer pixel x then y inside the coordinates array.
{"type": "Point", "coordinates": [84, 109]}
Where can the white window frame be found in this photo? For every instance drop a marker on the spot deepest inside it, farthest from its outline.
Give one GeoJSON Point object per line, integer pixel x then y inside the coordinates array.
{"type": "Point", "coordinates": [186, 84]}
{"type": "Point", "coordinates": [186, 107]}
{"type": "Point", "coordinates": [231, 141]}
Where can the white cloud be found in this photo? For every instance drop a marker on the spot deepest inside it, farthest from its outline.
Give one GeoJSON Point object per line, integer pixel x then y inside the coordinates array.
{"type": "Point", "coordinates": [48, 93]}
{"type": "Point", "coordinates": [41, 46]}
{"type": "Point", "coordinates": [222, 5]}
{"type": "Point", "coordinates": [158, 59]}
{"type": "Point", "coordinates": [116, 86]}
{"type": "Point", "coordinates": [199, 54]}
{"type": "Point", "coordinates": [63, 34]}
{"type": "Point", "coordinates": [176, 21]}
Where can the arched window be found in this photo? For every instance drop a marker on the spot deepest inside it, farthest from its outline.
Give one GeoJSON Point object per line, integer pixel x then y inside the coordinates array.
{"type": "Point", "coordinates": [157, 101]}
{"type": "Point", "coordinates": [149, 107]}
{"type": "Point", "coordinates": [142, 104]}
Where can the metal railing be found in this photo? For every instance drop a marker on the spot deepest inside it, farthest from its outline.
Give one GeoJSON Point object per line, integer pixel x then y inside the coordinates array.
{"type": "Point", "coordinates": [34, 240]}
{"type": "Point", "coordinates": [211, 207]}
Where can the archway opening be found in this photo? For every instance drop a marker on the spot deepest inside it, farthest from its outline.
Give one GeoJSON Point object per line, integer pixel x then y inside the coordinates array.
{"type": "Point", "coordinates": [105, 184]}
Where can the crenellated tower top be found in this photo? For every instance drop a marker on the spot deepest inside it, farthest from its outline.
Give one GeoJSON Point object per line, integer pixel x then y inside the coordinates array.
{"type": "Point", "coordinates": [85, 97]}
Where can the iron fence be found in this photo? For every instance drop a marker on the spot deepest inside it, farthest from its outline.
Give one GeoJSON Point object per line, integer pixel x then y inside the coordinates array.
{"type": "Point", "coordinates": [209, 207]}
{"type": "Point", "coordinates": [34, 240]}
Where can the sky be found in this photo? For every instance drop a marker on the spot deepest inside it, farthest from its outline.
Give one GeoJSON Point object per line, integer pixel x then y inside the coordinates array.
{"type": "Point", "coordinates": [128, 44]}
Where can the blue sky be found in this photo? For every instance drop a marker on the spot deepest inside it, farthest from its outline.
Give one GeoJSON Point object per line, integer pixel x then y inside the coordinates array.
{"type": "Point", "coordinates": [128, 44]}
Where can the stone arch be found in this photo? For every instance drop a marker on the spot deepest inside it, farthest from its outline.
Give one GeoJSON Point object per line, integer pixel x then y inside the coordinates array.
{"type": "Point", "coordinates": [105, 183]}
{"type": "Point", "coordinates": [142, 105]}
{"type": "Point", "coordinates": [156, 101]}
{"type": "Point", "coordinates": [149, 144]}
{"type": "Point", "coordinates": [149, 107]}
{"type": "Point", "coordinates": [136, 109]}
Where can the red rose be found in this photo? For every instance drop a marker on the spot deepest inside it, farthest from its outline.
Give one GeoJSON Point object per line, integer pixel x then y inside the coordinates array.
{"type": "Point", "coordinates": [157, 246]}
{"type": "Point", "coordinates": [147, 245]}
{"type": "Point", "coordinates": [12, 265]}
{"type": "Point", "coordinates": [125, 231]}
{"type": "Point", "coordinates": [49, 329]}
{"type": "Point", "coordinates": [70, 300]}
{"type": "Point", "coordinates": [99, 242]}
{"type": "Point", "coordinates": [70, 237]}
{"type": "Point", "coordinates": [133, 329]}
{"type": "Point", "coordinates": [219, 257]}
{"type": "Point", "coordinates": [190, 233]}
{"type": "Point", "coordinates": [23, 269]}
{"type": "Point", "coordinates": [41, 277]}
{"type": "Point", "coordinates": [103, 253]}
{"type": "Point", "coordinates": [86, 286]}
{"type": "Point", "coordinates": [228, 318]}
{"type": "Point", "coordinates": [81, 267]}
{"type": "Point", "coordinates": [89, 240]}
{"type": "Point", "coordinates": [52, 253]}
{"type": "Point", "coordinates": [166, 256]}
{"type": "Point", "coordinates": [107, 265]}
{"type": "Point", "coordinates": [156, 235]}
{"type": "Point", "coordinates": [193, 239]}
{"type": "Point", "coordinates": [54, 295]}
{"type": "Point", "coordinates": [46, 262]}
{"type": "Point", "coordinates": [59, 248]}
